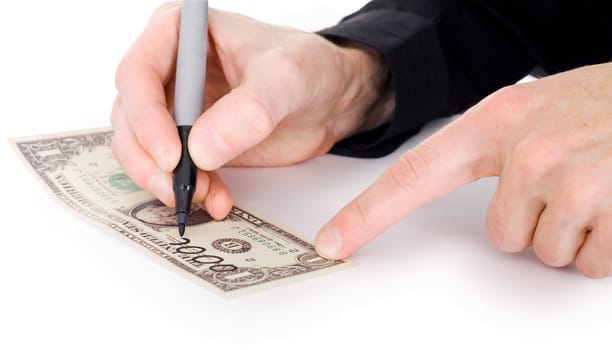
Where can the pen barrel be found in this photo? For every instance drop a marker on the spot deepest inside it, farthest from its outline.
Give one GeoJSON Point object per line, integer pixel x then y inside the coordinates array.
{"type": "Point", "coordinates": [191, 62]}
{"type": "Point", "coordinates": [185, 174]}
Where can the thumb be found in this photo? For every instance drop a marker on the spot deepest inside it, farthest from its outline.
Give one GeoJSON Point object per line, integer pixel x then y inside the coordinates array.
{"type": "Point", "coordinates": [270, 90]}
{"type": "Point", "coordinates": [454, 156]}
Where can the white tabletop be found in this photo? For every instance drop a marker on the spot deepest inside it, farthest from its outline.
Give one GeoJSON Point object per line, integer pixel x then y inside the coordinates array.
{"type": "Point", "coordinates": [434, 279]}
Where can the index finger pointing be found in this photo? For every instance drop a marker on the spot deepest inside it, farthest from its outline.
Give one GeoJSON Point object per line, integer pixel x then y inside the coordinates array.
{"type": "Point", "coordinates": [454, 156]}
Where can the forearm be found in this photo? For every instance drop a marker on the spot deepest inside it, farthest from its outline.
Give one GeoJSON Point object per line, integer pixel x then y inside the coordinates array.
{"type": "Point", "coordinates": [444, 56]}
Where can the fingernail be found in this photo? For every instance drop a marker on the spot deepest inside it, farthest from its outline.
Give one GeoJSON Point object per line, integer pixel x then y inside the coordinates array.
{"type": "Point", "coordinates": [329, 243]}
{"type": "Point", "coordinates": [161, 186]}
{"type": "Point", "coordinates": [211, 151]}
{"type": "Point", "coordinates": [161, 156]}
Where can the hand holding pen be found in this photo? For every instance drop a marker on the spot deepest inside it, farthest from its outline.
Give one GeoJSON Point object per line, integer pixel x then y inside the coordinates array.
{"type": "Point", "coordinates": [262, 108]}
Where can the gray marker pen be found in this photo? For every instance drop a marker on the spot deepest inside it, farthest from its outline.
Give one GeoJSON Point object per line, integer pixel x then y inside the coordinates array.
{"type": "Point", "coordinates": [189, 97]}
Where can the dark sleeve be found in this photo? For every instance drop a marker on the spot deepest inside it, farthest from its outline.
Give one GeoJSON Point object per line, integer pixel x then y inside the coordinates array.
{"type": "Point", "coordinates": [445, 55]}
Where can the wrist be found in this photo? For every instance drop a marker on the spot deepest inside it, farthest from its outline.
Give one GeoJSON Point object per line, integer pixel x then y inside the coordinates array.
{"type": "Point", "coordinates": [368, 99]}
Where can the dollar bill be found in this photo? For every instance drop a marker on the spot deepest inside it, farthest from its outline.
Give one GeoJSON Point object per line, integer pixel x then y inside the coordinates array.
{"type": "Point", "coordinates": [244, 252]}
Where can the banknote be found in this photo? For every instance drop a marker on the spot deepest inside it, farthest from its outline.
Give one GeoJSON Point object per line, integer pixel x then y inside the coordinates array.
{"type": "Point", "coordinates": [242, 253]}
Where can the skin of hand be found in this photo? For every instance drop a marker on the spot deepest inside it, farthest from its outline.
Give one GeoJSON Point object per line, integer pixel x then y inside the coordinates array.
{"type": "Point", "coordinates": [274, 96]}
{"type": "Point", "coordinates": [550, 143]}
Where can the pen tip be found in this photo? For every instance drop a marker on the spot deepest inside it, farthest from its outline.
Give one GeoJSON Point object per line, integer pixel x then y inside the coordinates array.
{"type": "Point", "coordinates": [182, 222]}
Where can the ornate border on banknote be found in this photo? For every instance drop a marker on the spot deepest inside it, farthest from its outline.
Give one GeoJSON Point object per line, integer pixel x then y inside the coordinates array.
{"type": "Point", "coordinates": [48, 155]}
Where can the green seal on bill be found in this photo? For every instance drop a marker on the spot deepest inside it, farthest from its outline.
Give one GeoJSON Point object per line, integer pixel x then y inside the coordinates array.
{"type": "Point", "coordinates": [122, 182]}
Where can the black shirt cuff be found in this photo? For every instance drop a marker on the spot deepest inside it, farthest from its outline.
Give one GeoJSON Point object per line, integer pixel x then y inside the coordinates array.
{"type": "Point", "coordinates": [410, 46]}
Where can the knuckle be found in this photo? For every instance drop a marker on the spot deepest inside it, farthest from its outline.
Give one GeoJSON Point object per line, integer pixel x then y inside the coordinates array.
{"type": "Point", "coordinates": [287, 62]}
{"type": "Point", "coordinates": [257, 116]}
{"type": "Point", "coordinates": [168, 5]}
{"type": "Point", "coordinates": [361, 216]}
{"type": "Point", "coordinates": [509, 95]}
{"type": "Point", "coordinates": [147, 129]}
{"type": "Point", "coordinates": [496, 229]}
{"type": "Point", "coordinates": [570, 202]}
{"type": "Point", "coordinates": [116, 112]}
{"type": "Point", "coordinates": [137, 174]}
{"type": "Point", "coordinates": [587, 269]}
{"type": "Point", "coordinates": [511, 104]}
{"type": "Point", "coordinates": [595, 260]}
{"type": "Point", "coordinates": [166, 15]}
{"type": "Point", "coordinates": [167, 10]}
{"type": "Point", "coordinates": [231, 44]}
{"type": "Point", "coordinates": [605, 249]}
{"type": "Point", "coordinates": [128, 160]}
{"type": "Point", "coordinates": [410, 171]}
{"type": "Point", "coordinates": [114, 119]}
{"type": "Point", "coordinates": [115, 149]}
{"type": "Point", "coordinates": [122, 71]}
{"type": "Point", "coordinates": [550, 255]}
{"type": "Point", "coordinates": [128, 70]}
{"type": "Point", "coordinates": [500, 236]}
{"type": "Point", "coordinates": [511, 99]}
{"type": "Point", "coordinates": [523, 154]}
{"type": "Point", "coordinates": [582, 189]}
{"type": "Point", "coordinates": [530, 159]}
{"type": "Point", "coordinates": [606, 244]}
{"type": "Point", "coordinates": [290, 67]}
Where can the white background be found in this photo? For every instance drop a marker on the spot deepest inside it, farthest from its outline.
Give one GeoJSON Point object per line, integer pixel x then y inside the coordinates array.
{"type": "Point", "coordinates": [432, 280]}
